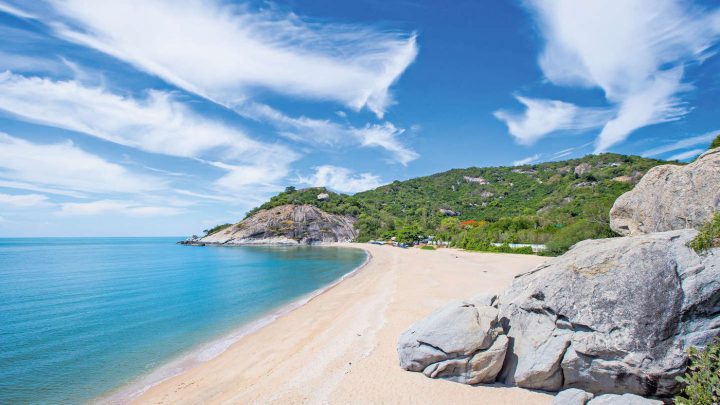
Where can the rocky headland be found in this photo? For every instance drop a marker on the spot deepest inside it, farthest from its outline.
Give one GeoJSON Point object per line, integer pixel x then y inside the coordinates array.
{"type": "Point", "coordinates": [610, 321]}
{"type": "Point", "coordinates": [285, 225]}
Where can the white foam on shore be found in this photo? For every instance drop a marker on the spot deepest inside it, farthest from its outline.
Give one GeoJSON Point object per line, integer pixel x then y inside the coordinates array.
{"type": "Point", "coordinates": [209, 350]}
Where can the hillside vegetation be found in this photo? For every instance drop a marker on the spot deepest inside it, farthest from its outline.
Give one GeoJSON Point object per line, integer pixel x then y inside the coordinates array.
{"type": "Point", "coordinates": [555, 203]}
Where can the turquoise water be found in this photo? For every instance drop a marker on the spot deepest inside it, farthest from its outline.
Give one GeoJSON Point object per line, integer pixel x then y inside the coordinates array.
{"type": "Point", "coordinates": [80, 317]}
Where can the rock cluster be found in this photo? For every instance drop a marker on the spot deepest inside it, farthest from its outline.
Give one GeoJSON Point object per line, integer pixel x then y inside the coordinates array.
{"type": "Point", "coordinates": [612, 316]}
{"type": "Point", "coordinates": [448, 213]}
{"type": "Point", "coordinates": [582, 169]}
{"type": "Point", "coordinates": [478, 180]}
{"type": "Point", "coordinates": [286, 224]}
{"type": "Point", "coordinates": [609, 320]}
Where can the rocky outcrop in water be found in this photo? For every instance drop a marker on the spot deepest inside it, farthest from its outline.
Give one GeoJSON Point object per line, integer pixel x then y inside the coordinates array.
{"type": "Point", "coordinates": [670, 197]}
{"type": "Point", "coordinates": [286, 224]}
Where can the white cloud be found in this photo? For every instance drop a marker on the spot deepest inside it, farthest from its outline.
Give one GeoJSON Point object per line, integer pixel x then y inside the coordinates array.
{"type": "Point", "coordinates": [18, 62]}
{"type": "Point", "coordinates": [654, 105]}
{"type": "Point", "coordinates": [23, 200]}
{"type": "Point", "coordinates": [682, 144]}
{"type": "Point", "coordinates": [326, 132]}
{"type": "Point", "coordinates": [569, 151]}
{"type": "Point", "coordinates": [527, 160]}
{"type": "Point", "coordinates": [156, 124]}
{"type": "Point", "coordinates": [341, 179]}
{"type": "Point", "coordinates": [686, 155]}
{"type": "Point", "coordinates": [67, 167]}
{"type": "Point", "coordinates": [224, 52]}
{"type": "Point", "coordinates": [542, 117]}
{"type": "Point", "coordinates": [386, 136]}
{"type": "Point", "coordinates": [301, 129]}
{"type": "Point", "coordinates": [240, 178]}
{"type": "Point", "coordinates": [634, 50]}
{"type": "Point", "coordinates": [12, 10]}
{"type": "Point", "coordinates": [18, 185]}
{"type": "Point", "coordinates": [117, 207]}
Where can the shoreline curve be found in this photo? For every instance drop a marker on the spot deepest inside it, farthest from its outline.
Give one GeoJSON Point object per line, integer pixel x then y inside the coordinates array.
{"type": "Point", "coordinates": [206, 351]}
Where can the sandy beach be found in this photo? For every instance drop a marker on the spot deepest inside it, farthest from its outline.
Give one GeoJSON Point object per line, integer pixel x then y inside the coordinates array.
{"type": "Point", "coordinates": [340, 347]}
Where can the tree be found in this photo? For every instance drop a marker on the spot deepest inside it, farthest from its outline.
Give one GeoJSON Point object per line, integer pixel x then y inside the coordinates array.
{"type": "Point", "coordinates": [408, 234]}
{"type": "Point", "coordinates": [289, 189]}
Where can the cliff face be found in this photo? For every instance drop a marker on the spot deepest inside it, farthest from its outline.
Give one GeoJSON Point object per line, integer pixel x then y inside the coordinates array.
{"type": "Point", "coordinates": [287, 224]}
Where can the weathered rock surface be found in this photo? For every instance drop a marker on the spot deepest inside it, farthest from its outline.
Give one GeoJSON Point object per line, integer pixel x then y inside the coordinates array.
{"type": "Point", "coordinates": [461, 342]}
{"type": "Point", "coordinates": [572, 396]}
{"type": "Point", "coordinates": [582, 168]}
{"type": "Point", "coordinates": [612, 316]}
{"type": "Point", "coordinates": [287, 224]}
{"type": "Point", "coordinates": [626, 399]}
{"type": "Point", "coordinates": [449, 213]}
{"type": "Point", "coordinates": [670, 197]}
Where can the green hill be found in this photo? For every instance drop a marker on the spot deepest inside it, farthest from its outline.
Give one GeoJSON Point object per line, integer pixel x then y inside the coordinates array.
{"type": "Point", "coordinates": [555, 203]}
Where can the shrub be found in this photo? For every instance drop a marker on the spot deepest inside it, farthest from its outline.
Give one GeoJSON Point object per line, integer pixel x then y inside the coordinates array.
{"type": "Point", "coordinates": [574, 233]}
{"type": "Point", "coordinates": [427, 247]}
{"type": "Point", "coordinates": [715, 143]}
{"type": "Point", "coordinates": [702, 379]}
{"type": "Point", "coordinates": [216, 229]}
{"type": "Point", "coordinates": [708, 236]}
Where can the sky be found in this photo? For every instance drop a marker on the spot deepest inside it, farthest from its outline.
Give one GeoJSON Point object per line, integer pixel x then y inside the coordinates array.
{"type": "Point", "coordinates": [157, 117]}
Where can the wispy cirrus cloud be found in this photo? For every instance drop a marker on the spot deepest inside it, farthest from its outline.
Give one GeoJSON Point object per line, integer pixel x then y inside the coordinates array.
{"type": "Point", "coordinates": [325, 132]}
{"type": "Point", "coordinates": [12, 10]}
{"type": "Point", "coordinates": [23, 200]}
{"type": "Point", "coordinates": [689, 142]}
{"type": "Point", "coordinates": [386, 136]}
{"type": "Point", "coordinates": [634, 50]}
{"type": "Point", "coordinates": [242, 49]}
{"type": "Point", "coordinates": [687, 154]}
{"type": "Point", "coordinates": [117, 207]}
{"type": "Point", "coordinates": [157, 123]}
{"type": "Point", "coordinates": [527, 160]}
{"type": "Point", "coordinates": [543, 116]}
{"type": "Point", "coordinates": [340, 179]}
{"type": "Point", "coordinates": [64, 166]}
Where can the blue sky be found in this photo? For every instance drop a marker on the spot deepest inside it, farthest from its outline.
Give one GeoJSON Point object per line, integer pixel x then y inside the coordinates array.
{"type": "Point", "coordinates": [158, 117]}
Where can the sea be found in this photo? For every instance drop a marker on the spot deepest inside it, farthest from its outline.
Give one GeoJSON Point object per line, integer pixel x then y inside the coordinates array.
{"type": "Point", "coordinates": [88, 319]}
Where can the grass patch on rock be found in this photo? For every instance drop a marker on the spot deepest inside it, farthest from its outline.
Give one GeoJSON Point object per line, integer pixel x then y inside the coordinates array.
{"type": "Point", "coordinates": [708, 236]}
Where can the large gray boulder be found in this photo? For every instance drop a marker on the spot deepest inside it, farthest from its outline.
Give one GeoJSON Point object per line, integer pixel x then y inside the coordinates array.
{"type": "Point", "coordinates": [612, 316]}
{"type": "Point", "coordinates": [461, 342]}
{"type": "Point", "coordinates": [670, 197]}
